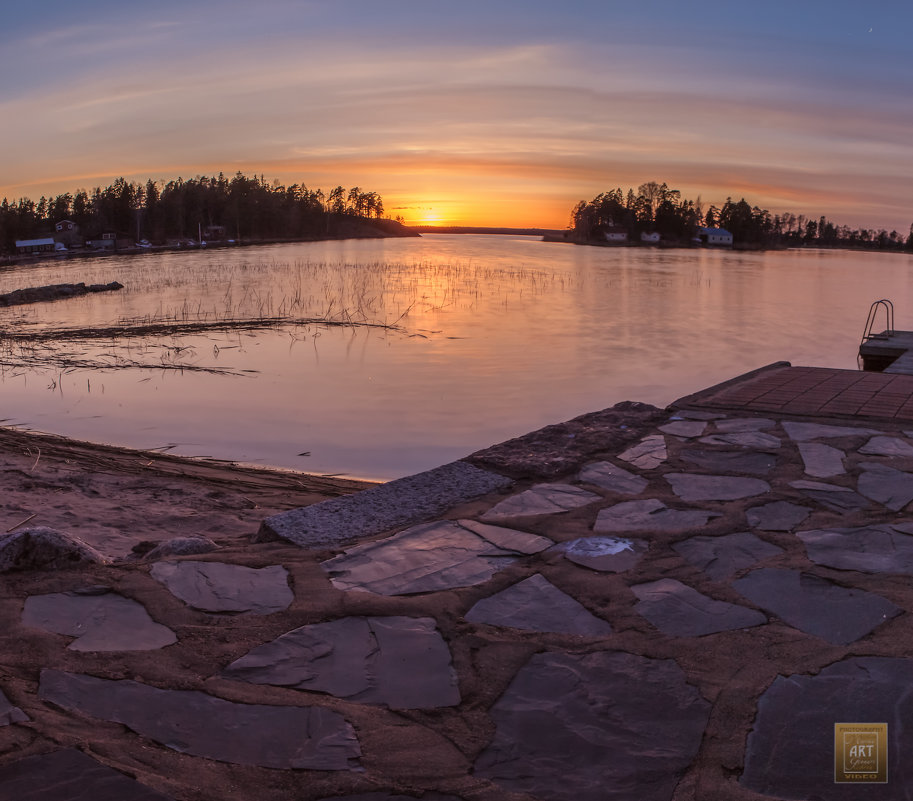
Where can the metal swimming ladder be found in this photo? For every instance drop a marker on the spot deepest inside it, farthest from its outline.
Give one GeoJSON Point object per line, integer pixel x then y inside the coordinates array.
{"type": "Point", "coordinates": [870, 321]}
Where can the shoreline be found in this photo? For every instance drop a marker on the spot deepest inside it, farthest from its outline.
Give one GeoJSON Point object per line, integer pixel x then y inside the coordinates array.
{"type": "Point", "coordinates": [115, 498]}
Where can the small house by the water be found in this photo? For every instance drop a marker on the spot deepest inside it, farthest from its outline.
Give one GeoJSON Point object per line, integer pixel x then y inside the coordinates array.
{"type": "Point", "coordinates": [649, 237]}
{"type": "Point", "coordinates": [714, 236]}
{"type": "Point", "coordinates": [616, 234]}
{"type": "Point", "coordinates": [44, 245]}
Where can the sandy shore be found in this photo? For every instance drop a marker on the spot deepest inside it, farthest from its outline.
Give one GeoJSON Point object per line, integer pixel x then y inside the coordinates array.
{"type": "Point", "coordinates": [115, 498]}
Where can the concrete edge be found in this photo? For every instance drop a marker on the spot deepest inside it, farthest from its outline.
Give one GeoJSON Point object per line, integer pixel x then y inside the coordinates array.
{"type": "Point", "coordinates": [403, 502]}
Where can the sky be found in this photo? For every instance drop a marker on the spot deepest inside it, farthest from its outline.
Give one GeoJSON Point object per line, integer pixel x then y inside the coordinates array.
{"type": "Point", "coordinates": [494, 112]}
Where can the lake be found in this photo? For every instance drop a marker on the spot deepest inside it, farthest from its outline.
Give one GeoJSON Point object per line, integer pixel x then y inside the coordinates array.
{"type": "Point", "coordinates": [495, 336]}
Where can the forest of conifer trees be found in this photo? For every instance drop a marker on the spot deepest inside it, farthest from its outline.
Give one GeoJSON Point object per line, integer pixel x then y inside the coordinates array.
{"type": "Point", "coordinates": [657, 208]}
{"type": "Point", "coordinates": [248, 209]}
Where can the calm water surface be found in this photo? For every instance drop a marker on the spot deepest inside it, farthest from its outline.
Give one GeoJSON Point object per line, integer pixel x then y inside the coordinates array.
{"type": "Point", "coordinates": [500, 335]}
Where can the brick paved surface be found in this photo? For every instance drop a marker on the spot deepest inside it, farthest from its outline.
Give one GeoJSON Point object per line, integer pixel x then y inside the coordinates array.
{"type": "Point", "coordinates": [814, 391]}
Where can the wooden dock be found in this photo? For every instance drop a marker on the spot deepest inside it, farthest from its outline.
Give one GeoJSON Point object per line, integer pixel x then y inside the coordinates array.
{"type": "Point", "coordinates": [888, 352]}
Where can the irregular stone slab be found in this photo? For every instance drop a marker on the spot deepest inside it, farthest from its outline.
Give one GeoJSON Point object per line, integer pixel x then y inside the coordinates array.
{"type": "Point", "coordinates": [42, 548]}
{"type": "Point", "coordinates": [821, 461]}
{"type": "Point", "coordinates": [543, 499]}
{"type": "Point", "coordinates": [684, 428]}
{"type": "Point", "coordinates": [734, 424]}
{"type": "Point", "coordinates": [757, 440]}
{"type": "Point", "coordinates": [361, 659]}
{"type": "Point", "coordinates": [888, 446]}
{"type": "Point", "coordinates": [191, 722]}
{"type": "Point", "coordinates": [432, 557]}
{"type": "Point", "coordinates": [648, 515]}
{"type": "Point", "coordinates": [721, 557]}
{"type": "Point", "coordinates": [10, 714]}
{"type": "Point", "coordinates": [785, 756]}
{"type": "Point", "coordinates": [650, 452]}
{"type": "Point", "coordinates": [613, 478]}
{"type": "Point", "coordinates": [100, 622]}
{"type": "Point", "coordinates": [395, 504]}
{"type": "Point", "coordinates": [605, 554]}
{"type": "Point", "coordinates": [803, 432]}
{"type": "Point", "coordinates": [814, 605]}
{"type": "Point", "coordinates": [890, 487]}
{"type": "Point", "coordinates": [681, 611]}
{"type": "Point", "coordinates": [219, 587]}
{"type": "Point", "coordinates": [754, 463]}
{"type": "Point", "coordinates": [70, 775]}
{"type": "Point", "coordinates": [692, 487]}
{"type": "Point", "coordinates": [535, 604]}
{"type": "Point", "coordinates": [839, 499]}
{"type": "Point", "coordinates": [777, 516]}
{"type": "Point", "coordinates": [564, 713]}
{"type": "Point", "coordinates": [870, 549]}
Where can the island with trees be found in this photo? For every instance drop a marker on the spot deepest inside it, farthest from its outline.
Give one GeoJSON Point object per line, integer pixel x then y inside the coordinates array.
{"type": "Point", "coordinates": [656, 214]}
{"type": "Point", "coordinates": [179, 212]}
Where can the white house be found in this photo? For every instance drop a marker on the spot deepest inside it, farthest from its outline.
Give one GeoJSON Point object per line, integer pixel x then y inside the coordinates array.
{"type": "Point", "coordinates": [651, 237]}
{"type": "Point", "coordinates": [715, 236]}
{"type": "Point", "coordinates": [616, 234]}
{"type": "Point", "coordinates": [43, 245]}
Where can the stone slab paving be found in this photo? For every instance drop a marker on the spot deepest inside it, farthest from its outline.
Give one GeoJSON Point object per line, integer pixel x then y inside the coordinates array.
{"type": "Point", "coordinates": [604, 726]}
{"type": "Point", "coordinates": [733, 424]}
{"type": "Point", "coordinates": [613, 478]}
{"type": "Point", "coordinates": [70, 775]}
{"type": "Point", "coordinates": [805, 432]}
{"type": "Point", "coordinates": [681, 611]}
{"type": "Point", "coordinates": [777, 516]}
{"type": "Point", "coordinates": [395, 504]}
{"type": "Point", "coordinates": [722, 557]}
{"type": "Point", "coordinates": [649, 515]}
{"type": "Point", "coordinates": [693, 487]}
{"type": "Point", "coordinates": [888, 446]}
{"type": "Point", "coordinates": [432, 557]}
{"type": "Point", "coordinates": [543, 499]}
{"type": "Point", "coordinates": [822, 461]}
{"type": "Point", "coordinates": [870, 549]}
{"type": "Point", "coordinates": [649, 453]}
{"type": "Point", "coordinates": [604, 554]}
{"type": "Point", "coordinates": [790, 750]}
{"type": "Point", "coordinates": [684, 428]}
{"type": "Point", "coordinates": [815, 605]}
{"type": "Point", "coordinates": [755, 440]}
{"type": "Point", "coordinates": [886, 485]}
{"type": "Point", "coordinates": [535, 604]}
{"type": "Point", "coordinates": [219, 587]}
{"type": "Point", "coordinates": [437, 662]}
{"type": "Point", "coordinates": [100, 621]}
{"type": "Point", "coordinates": [192, 722]}
{"type": "Point", "coordinates": [361, 659]}
{"type": "Point", "coordinates": [755, 463]}
{"type": "Point", "coordinates": [832, 496]}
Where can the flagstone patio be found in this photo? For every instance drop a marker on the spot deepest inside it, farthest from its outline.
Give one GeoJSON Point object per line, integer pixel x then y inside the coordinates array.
{"type": "Point", "coordinates": [679, 607]}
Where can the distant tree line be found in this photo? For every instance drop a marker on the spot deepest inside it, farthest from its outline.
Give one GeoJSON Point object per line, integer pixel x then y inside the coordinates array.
{"type": "Point", "coordinates": [657, 208]}
{"type": "Point", "coordinates": [248, 209]}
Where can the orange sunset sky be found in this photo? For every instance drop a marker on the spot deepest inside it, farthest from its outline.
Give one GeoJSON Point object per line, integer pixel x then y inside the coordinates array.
{"type": "Point", "coordinates": [494, 113]}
